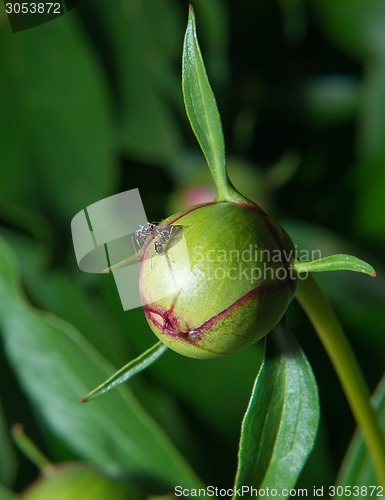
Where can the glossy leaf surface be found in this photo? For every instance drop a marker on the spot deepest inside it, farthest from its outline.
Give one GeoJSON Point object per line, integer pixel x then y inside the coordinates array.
{"type": "Point", "coordinates": [281, 422]}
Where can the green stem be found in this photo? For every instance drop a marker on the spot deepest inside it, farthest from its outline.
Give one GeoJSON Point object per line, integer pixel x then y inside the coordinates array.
{"type": "Point", "coordinates": [30, 450]}
{"type": "Point", "coordinates": [345, 363]}
{"type": "Point", "coordinates": [226, 190]}
{"type": "Point", "coordinates": [222, 183]}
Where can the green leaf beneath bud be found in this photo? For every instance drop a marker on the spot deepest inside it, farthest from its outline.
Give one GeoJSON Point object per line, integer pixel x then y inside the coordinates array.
{"type": "Point", "coordinates": [280, 424]}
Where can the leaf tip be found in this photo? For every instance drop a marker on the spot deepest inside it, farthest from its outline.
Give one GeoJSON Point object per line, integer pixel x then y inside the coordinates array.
{"type": "Point", "coordinates": [191, 15]}
{"type": "Point", "coordinates": [85, 399]}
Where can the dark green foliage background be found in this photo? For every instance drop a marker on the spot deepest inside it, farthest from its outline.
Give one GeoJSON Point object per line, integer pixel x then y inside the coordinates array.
{"type": "Point", "coordinates": [91, 105]}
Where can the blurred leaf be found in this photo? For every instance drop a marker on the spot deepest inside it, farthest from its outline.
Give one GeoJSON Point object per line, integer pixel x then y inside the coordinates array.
{"type": "Point", "coordinates": [369, 175]}
{"type": "Point", "coordinates": [332, 99]}
{"type": "Point", "coordinates": [142, 37]}
{"type": "Point", "coordinates": [295, 21]}
{"type": "Point", "coordinates": [56, 366]}
{"type": "Point", "coordinates": [78, 301]}
{"type": "Point", "coordinates": [59, 132]}
{"type": "Point", "coordinates": [13, 158]}
{"type": "Point", "coordinates": [359, 28]}
{"type": "Point", "coordinates": [280, 424]}
{"type": "Point", "coordinates": [7, 494]}
{"type": "Point", "coordinates": [369, 209]}
{"type": "Point", "coordinates": [8, 464]}
{"type": "Point", "coordinates": [67, 296]}
{"type": "Point", "coordinates": [357, 468]}
{"type": "Point", "coordinates": [356, 26]}
{"type": "Point", "coordinates": [27, 221]}
{"type": "Point", "coordinates": [372, 120]}
{"type": "Point", "coordinates": [214, 28]}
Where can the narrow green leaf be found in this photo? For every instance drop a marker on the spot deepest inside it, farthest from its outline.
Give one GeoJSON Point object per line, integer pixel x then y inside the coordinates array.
{"type": "Point", "coordinates": [357, 468]}
{"type": "Point", "coordinates": [129, 370]}
{"type": "Point", "coordinates": [55, 365]}
{"type": "Point", "coordinates": [280, 424]}
{"type": "Point", "coordinates": [339, 262]}
{"type": "Point", "coordinates": [201, 109]}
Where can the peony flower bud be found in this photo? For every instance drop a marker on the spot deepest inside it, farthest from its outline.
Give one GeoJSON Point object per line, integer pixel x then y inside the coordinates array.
{"type": "Point", "coordinates": [219, 281]}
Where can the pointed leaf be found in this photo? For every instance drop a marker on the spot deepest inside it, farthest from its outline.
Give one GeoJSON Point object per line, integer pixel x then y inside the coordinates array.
{"type": "Point", "coordinates": [129, 370]}
{"type": "Point", "coordinates": [280, 424]}
{"type": "Point", "coordinates": [339, 262]}
{"type": "Point", "coordinates": [201, 106]}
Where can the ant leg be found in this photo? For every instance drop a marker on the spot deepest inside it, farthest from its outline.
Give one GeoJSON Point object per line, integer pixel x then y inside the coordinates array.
{"type": "Point", "coordinates": [168, 258]}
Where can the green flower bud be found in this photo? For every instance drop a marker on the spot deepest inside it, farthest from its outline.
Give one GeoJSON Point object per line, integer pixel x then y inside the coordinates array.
{"type": "Point", "coordinates": [73, 480]}
{"type": "Point", "coordinates": [219, 282]}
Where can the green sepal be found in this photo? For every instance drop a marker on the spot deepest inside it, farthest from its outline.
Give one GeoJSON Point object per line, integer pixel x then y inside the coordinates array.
{"type": "Point", "coordinates": [127, 371]}
{"type": "Point", "coordinates": [202, 112]}
{"type": "Point", "coordinates": [338, 262]}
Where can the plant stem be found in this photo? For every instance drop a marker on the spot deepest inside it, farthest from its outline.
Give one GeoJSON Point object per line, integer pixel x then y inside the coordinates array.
{"type": "Point", "coordinates": [30, 450]}
{"type": "Point", "coordinates": [345, 363]}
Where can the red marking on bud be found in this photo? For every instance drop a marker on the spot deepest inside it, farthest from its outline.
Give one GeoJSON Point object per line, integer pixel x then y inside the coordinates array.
{"type": "Point", "coordinates": [169, 323]}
